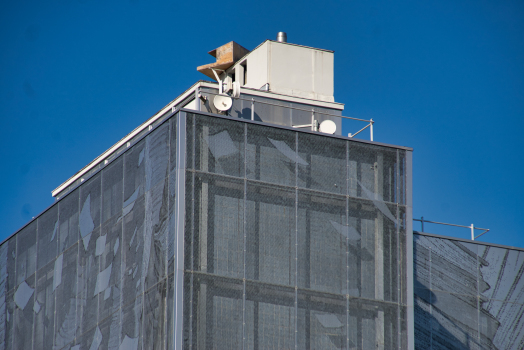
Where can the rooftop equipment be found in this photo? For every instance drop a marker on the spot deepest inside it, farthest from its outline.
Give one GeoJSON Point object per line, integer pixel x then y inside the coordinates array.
{"type": "Point", "coordinates": [282, 37]}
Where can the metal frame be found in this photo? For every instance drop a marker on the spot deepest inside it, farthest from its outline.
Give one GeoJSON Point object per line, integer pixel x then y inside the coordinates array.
{"type": "Point", "coordinates": [158, 121]}
{"type": "Point", "coordinates": [409, 250]}
{"type": "Point", "coordinates": [180, 204]}
{"type": "Point", "coordinates": [471, 227]}
{"type": "Point", "coordinates": [314, 123]}
{"type": "Point", "coordinates": [468, 241]}
{"type": "Point", "coordinates": [407, 300]}
{"type": "Point", "coordinates": [180, 212]}
{"type": "Point", "coordinates": [375, 143]}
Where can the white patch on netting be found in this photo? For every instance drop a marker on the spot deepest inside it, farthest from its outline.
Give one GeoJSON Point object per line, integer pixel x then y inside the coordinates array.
{"type": "Point", "coordinates": [287, 151]}
{"type": "Point", "coordinates": [129, 343]}
{"type": "Point", "coordinates": [130, 202]}
{"type": "Point", "coordinates": [117, 244]}
{"type": "Point", "coordinates": [97, 340]}
{"type": "Point", "coordinates": [57, 273]}
{"type": "Point", "coordinates": [102, 280]}
{"type": "Point", "coordinates": [100, 245]}
{"type": "Point", "coordinates": [221, 145]}
{"type": "Point", "coordinates": [378, 201]}
{"type": "Point", "coordinates": [86, 222]}
{"type": "Point", "coordinates": [348, 232]}
{"type": "Point", "coordinates": [55, 230]}
{"type": "Point", "coordinates": [329, 320]}
{"type": "Point", "coordinates": [36, 307]}
{"type": "Point", "coordinates": [23, 294]}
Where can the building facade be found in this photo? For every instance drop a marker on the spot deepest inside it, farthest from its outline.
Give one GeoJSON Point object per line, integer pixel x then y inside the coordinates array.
{"type": "Point", "coordinates": [240, 241]}
{"type": "Point", "coordinates": [246, 228]}
{"type": "Point", "coordinates": [468, 295]}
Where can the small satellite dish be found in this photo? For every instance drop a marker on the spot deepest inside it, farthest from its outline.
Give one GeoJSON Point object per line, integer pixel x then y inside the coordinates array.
{"type": "Point", "coordinates": [236, 90]}
{"type": "Point", "coordinates": [222, 102]}
{"type": "Point", "coordinates": [328, 127]}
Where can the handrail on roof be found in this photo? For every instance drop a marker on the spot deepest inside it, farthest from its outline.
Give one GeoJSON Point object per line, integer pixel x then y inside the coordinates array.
{"type": "Point", "coordinates": [471, 227]}
{"type": "Point", "coordinates": [313, 125]}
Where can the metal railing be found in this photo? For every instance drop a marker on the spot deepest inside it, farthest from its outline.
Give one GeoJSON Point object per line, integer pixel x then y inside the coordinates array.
{"type": "Point", "coordinates": [471, 227]}
{"type": "Point", "coordinates": [314, 122]}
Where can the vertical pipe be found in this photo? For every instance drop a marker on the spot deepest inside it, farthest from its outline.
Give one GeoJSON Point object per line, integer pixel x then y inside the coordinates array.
{"type": "Point", "coordinates": [197, 99]}
{"type": "Point", "coordinates": [371, 129]}
{"type": "Point", "coordinates": [408, 188]}
{"type": "Point", "coordinates": [379, 251]}
{"type": "Point", "coordinates": [244, 228]}
{"type": "Point", "coordinates": [472, 232]}
{"type": "Point", "coordinates": [296, 242]}
{"type": "Point", "coordinates": [422, 223]}
{"type": "Point", "coordinates": [252, 108]}
{"type": "Point", "coordinates": [179, 230]}
{"type": "Point", "coordinates": [348, 272]}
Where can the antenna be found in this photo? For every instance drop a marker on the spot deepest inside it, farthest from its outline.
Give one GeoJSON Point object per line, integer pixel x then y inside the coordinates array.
{"type": "Point", "coordinates": [222, 102]}
{"type": "Point", "coordinates": [328, 127]}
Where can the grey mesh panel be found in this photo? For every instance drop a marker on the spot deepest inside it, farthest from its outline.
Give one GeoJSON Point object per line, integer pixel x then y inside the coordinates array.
{"type": "Point", "coordinates": [289, 254]}
{"type": "Point", "coordinates": [467, 295]}
{"type": "Point", "coordinates": [278, 252]}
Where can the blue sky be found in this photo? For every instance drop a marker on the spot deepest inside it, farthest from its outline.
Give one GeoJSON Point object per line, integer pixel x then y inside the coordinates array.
{"type": "Point", "coordinates": [444, 77]}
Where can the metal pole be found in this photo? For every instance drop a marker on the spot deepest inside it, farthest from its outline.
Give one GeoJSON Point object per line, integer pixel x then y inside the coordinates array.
{"type": "Point", "coordinates": [197, 99]}
{"type": "Point", "coordinates": [472, 232]}
{"type": "Point", "coordinates": [252, 108]}
{"type": "Point", "coordinates": [313, 128]}
{"type": "Point", "coordinates": [422, 222]}
{"type": "Point", "coordinates": [371, 129]}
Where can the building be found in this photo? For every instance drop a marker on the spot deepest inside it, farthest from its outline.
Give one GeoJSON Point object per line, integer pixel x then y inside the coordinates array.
{"type": "Point", "coordinates": [468, 295]}
{"type": "Point", "coordinates": [238, 222]}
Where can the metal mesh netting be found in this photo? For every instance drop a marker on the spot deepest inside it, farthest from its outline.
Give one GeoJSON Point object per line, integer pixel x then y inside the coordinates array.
{"type": "Point", "coordinates": [290, 240]}
{"type": "Point", "coordinates": [467, 295]}
{"type": "Point", "coordinates": [91, 271]}
{"type": "Point", "coordinates": [286, 253]}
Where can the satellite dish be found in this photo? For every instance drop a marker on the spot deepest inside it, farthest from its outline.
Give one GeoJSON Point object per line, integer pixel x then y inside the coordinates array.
{"type": "Point", "coordinates": [222, 102]}
{"type": "Point", "coordinates": [328, 127]}
{"type": "Point", "coordinates": [236, 90]}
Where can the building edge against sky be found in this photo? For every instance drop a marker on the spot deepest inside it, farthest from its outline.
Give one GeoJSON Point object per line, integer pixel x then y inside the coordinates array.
{"type": "Point", "coordinates": [182, 199]}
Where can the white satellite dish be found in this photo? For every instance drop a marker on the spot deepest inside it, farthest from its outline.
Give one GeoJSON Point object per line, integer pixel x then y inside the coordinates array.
{"type": "Point", "coordinates": [222, 102]}
{"type": "Point", "coordinates": [236, 90]}
{"type": "Point", "coordinates": [328, 127]}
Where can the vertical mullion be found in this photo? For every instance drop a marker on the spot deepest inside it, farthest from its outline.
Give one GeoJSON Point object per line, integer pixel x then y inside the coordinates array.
{"type": "Point", "coordinates": [100, 269]}
{"type": "Point", "coordinates": [179, 232]}
{"type": "Point", "coordinates": [407, 197]}
{"type": "Point", "coordinates": [430, 302]}
{"type": "Point", "coordinates": [245, 243]}
{"type": "Point", "coordinates": [192, 232]}
{"type": "Point", "coordinates": [122, 262]}
{"type": "Point", "coordinates": [478, 296]}
{"type": "Point", "coordinates": [347, 244]}
{"type": "Point", "coordinates": [296, 240]}
{"type": "Point", "coordinates": [400, 254]}
{"type": "Point", "coordinates": [192, 259]}
{"type": "Point", "coordinates": [36, 283]}
{"type": "Point", "coordinates": [169, 121]}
